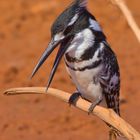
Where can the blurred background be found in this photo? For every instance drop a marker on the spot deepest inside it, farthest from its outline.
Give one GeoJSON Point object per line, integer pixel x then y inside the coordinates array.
{"type": "Point", "coordinates": [24, 35]}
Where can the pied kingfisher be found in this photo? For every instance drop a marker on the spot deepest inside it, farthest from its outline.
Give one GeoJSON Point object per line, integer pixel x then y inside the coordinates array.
{"type": "Point", "coordinates": [90, 62]}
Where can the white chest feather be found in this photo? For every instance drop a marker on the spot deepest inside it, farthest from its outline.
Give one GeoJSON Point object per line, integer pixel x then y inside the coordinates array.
{"type": "Point", "coordinates": [80, 42]}
{"type": "Point", "coordinates": [84, 80]}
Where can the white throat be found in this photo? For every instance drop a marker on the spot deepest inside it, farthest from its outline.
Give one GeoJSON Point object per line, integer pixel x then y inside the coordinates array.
{"type": "Point", "coordinates": [81, 41]}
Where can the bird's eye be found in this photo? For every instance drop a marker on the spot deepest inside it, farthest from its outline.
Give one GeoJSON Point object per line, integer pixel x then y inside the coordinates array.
{"type": "Point", "coordinates": [68, 29]}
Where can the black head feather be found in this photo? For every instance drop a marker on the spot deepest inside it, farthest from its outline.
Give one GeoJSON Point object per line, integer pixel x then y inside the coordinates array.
{"type": "Point", "coordinates": [65, 17]}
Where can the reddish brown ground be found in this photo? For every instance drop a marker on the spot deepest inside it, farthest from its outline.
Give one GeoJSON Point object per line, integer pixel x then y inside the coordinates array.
{"type": "Point", "coordinates": [24, 34]}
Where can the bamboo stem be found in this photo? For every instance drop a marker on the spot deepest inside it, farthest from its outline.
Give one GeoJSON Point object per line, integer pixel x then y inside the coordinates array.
{"type": "Point", "coordinates": [107, 115]}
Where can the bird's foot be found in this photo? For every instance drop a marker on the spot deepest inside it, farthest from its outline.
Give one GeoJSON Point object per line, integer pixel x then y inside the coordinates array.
{"type": "Point", "coordinates": [73, 98]}
{"type": "Point", "coordinates": [93, 105]}
{"type": "Point", "coordinates": [91, 108]}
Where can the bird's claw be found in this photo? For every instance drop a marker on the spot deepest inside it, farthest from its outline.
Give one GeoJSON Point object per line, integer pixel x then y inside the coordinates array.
{"type": "Point", "coordinates": [91, 108]}
{"type": "Point", "coordinates": [93, 105]}
{"type": "Point", "coordinates": [73, 98]}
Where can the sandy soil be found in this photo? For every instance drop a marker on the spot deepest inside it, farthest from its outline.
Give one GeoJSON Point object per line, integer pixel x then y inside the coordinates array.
{"type": "Point", "coordinates": [24, 34]}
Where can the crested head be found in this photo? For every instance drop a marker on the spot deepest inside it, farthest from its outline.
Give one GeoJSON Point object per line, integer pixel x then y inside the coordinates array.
{"type": "Point", "coordinates": [81, 3]}
{"type": "Point", "coordinates": [68, 17]}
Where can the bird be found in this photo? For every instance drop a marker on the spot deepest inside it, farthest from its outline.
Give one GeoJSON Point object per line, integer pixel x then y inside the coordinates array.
{"type": "Point", "coordinates": [89, 59]}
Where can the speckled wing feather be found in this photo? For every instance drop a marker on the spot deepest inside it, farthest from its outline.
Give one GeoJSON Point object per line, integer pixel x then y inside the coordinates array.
{"type": "Point", "coordinates": [110, 79]}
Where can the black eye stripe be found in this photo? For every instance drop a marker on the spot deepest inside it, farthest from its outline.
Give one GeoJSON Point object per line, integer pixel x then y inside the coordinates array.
{"type": "Point", "coordinates": [67, 30]}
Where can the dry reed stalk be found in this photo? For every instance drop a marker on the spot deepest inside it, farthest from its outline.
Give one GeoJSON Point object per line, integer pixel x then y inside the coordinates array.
{"type": "Point", "coordinates": [107, 115]}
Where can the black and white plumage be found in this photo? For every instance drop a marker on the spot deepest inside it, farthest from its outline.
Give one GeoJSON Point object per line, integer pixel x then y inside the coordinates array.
{"type": "Point", "coordinates": [90, 61]}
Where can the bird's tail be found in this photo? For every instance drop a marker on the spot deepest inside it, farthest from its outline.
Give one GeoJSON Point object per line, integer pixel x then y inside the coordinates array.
{"type": "Point", "coordinates": [113, 103]}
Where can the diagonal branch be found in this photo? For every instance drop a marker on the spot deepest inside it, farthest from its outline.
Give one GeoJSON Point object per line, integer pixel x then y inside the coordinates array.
{"type": "Point", "coordinates": [128, 15]}
{"type": "Point", "coordinates": [106, 115]}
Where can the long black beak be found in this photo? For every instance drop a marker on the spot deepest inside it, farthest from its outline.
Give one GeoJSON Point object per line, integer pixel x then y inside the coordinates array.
{"type": "Point", "coordinates": [52, 45]}
{"type": "Point", "coordinates": [59, 55]}
{"type": "Point", "coordinates": [45, 55]}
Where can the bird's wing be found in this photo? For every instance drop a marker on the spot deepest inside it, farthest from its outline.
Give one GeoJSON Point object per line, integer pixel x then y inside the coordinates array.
{"type": "Point", "coordinates": [110, 79]}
